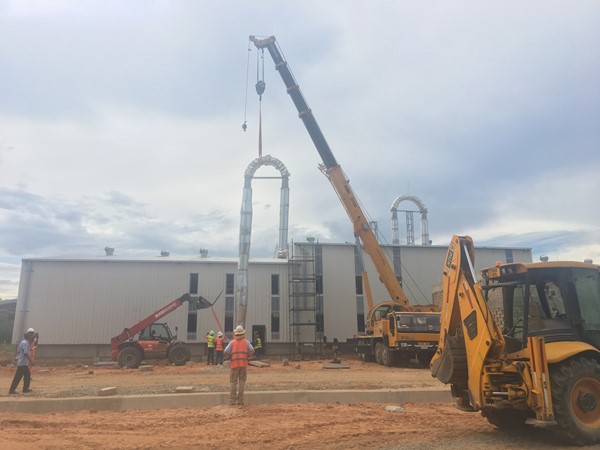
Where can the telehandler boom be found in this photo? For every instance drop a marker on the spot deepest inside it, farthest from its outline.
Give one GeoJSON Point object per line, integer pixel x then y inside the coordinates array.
{"type": "Point", "coordinates": [524, 343]}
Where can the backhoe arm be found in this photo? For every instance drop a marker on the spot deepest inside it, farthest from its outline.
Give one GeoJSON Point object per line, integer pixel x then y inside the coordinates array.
{"type": "Point", "coordinates": [468, 332]}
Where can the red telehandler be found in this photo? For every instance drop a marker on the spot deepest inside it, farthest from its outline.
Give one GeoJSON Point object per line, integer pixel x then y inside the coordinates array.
{"type": "Point", "coordinates": [155, 340]}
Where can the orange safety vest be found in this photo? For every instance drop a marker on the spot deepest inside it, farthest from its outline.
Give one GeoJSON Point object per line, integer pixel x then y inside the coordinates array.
{"type": "Point", "coordinates": [239, 353]}
{"type": "Point", "coordinates": [219, 342]}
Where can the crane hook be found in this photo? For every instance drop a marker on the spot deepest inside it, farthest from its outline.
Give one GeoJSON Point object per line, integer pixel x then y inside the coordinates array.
{"type": "Point", "coordinates": [260, 87]}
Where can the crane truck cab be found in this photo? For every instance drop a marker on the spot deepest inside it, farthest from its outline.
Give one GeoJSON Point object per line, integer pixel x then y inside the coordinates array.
{"type": "Point", "coordinates": [522, 343]}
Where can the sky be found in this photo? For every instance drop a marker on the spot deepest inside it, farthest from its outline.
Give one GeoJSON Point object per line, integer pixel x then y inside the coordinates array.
{"type": "Point", "coordinates": [120, 123]}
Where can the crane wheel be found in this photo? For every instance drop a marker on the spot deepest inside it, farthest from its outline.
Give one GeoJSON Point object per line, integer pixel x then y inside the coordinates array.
{"type": "Point", "coordinates": [506, 419]}
{"type": "Point", "coordinates": [129, 357]}
{"type": "Point", "coordinates": [379, 349]}
{"type": "Point", "coordinates": [387, 357]}
{"type": "Point", "coordinates": [179, 354]}
{"type": "Point", "coordinates": [576, 399]}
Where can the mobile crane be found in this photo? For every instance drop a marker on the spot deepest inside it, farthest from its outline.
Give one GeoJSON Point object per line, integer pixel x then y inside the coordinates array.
{"type": "Point", "coordinates": [155, 340]}
{"type": "Point", "coordinates": [395, 329]}
{"type": "Point", "coordinates": [524, 343]}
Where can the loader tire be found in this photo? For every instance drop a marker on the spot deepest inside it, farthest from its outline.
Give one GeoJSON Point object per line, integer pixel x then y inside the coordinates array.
{"type": "Point", "coordinates": [179, 354]}
{"type": "Point", "coordinates": [576, 399]}
{"type": "Point", "coordinates": [506, 419]}
{"type": "Point", "coordinates": [129, 357]}
{"type": "Point", "coordinates": [379, 348]}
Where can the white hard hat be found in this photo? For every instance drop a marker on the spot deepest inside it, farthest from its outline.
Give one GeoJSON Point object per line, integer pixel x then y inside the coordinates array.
{"type": "Point", "coordinates": [239, 330]}
{"type": "Point", "coordinates": [219, 334]}
{"type": "Point", "coordinates": [31, 330]}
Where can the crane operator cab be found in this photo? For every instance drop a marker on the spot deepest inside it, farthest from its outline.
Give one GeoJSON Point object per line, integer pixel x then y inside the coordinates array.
{"type": "Point", "coordinates": [556, 300]}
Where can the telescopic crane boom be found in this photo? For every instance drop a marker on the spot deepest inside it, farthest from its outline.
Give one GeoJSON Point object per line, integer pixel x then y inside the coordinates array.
{"type": "Point", "coordinates": [336, 175]}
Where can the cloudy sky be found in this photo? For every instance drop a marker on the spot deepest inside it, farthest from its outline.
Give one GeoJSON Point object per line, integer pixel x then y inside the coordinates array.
{"type": "Point", "coordinates": [120, 123]}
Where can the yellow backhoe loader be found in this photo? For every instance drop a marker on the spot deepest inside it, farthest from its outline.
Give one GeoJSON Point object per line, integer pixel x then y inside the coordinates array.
{"type": "Point", "coordinates": [523, 343]}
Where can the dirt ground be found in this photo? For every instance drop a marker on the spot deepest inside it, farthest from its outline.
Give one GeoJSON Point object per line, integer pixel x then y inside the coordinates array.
{"type": "Point", "coordinates": [285, 426]}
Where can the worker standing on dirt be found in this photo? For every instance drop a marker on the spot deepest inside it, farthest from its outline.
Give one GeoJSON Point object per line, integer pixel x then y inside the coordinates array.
{"type": "Point", "coordinates": [23, 362]}
{"type": "Point", "coordinates": [210, 343]}
{"type": "Point", "coordinates": [238, 350]}
{"type": "Point", "coordinates": [258, 345]}
{"type": "Point", "coordinates": [219, 347]}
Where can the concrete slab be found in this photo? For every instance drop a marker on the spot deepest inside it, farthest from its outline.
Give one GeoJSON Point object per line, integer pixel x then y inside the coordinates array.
{"type": "Point", "coordinates": [259, 364]}
{"type": "Point", "coordinates": [201, 400]}
{"type": "Point", "coordinates": [184, 389]}
{"type": "Point", "coordinates": [335, 366]}
{"type": "Point", "coordinates": [107, 391]}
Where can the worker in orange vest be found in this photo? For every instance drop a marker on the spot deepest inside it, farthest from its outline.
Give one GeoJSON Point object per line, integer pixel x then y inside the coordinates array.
{"type": "Point", "coordinates": [238, 350]}
{"type": "Point", "coordinates": [220, 341]}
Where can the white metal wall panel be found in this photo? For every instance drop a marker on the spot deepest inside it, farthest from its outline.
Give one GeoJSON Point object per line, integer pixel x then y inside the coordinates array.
{"type": "Point", "coordinates": [339, 292]}
{"type": "Point", "coordinates": [89, 301]}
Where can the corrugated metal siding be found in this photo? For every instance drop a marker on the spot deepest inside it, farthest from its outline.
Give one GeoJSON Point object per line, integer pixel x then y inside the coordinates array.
{"type": "Point", "coordinates": [339, 292]}
{"type": "Point", "coordinates": [89, 301]}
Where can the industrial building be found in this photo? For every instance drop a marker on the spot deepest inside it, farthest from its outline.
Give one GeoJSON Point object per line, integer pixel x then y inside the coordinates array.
{"type": "Point", "coordinates": [78, 304]}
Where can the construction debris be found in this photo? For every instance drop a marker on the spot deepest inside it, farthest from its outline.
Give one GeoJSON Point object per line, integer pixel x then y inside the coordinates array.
{"type": "Point", "coordinates": [259, 363]}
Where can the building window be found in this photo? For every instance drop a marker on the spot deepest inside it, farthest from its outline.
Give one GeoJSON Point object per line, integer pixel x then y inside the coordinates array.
{"type": "Point", "coordinates": [192, 321]}
{"type": "Point", "coordinates": [509, 255]}
{"type": "Point", "coordinates": [275, 307]}
{"type": "Point", "coordinates": [275, 322]}
{"type": "Point", "coordinates": [229, 285]}
{"type": "Point", "coordinates": [320, 318]}
{"type": "Point", "coordinates": [193, 283]}
{"type": "Point", "coordinates": [274, 284]}
{"type": "Point", "coordinates": [229, 302]}
{"type": "Point", "coordinates": [360, 314]}
{"type": "Point", "coordinates": [359, 285]}
{"type": "Point", "coordinates": [229, 314]}
{"type": "Point", "coordinates": [319, 284]}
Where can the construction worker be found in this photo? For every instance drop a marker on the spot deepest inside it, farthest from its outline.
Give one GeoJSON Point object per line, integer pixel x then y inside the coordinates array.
{"type": "Point", "coordinates": [258, 345]}
{"type": "Point", "coordinates": [210, 343]}
{"type": "Point", "coordinates": [23, 362]}
{"type": "Point", "coordinates": [219, 347]}
{"type": "Point", "coordinates": [238, 350]}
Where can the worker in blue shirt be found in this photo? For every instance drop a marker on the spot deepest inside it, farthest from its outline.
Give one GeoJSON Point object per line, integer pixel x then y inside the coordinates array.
{"type": "Point", "coordinates": [23, 362]}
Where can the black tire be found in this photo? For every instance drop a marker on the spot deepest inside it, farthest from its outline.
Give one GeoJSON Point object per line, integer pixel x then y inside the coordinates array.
{"type": "Point", "coordinates": [387, 357]}
{"type": "Point", "coordinates": [379, 348]}
{"type": "Point", "coordinates": [576, 399]}
{"type": "Point", "coordinates": [367, 357]}
{"type": "Point", "coordinates": [506, 419]}
{"type": "Point", "coordinates": [130, 357]}
{"type": "Point", "coordinates": [179, 354]}
{"type": "Point", "coordinates": [424, 357]}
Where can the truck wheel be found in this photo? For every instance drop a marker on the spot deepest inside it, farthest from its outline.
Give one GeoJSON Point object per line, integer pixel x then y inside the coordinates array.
{"type": "Point", "coordinates": [505, 419]}
{"type": "Point", "coordinates": [576, 399]}
{"type": "Point", "coordinates": [379, 348]}
{"type": "Point", "coordinates": [129, 357]}
{"type": "Point", "coordinates": [387, 357]}
{"type": "Point", "coordinates": [179, 354]}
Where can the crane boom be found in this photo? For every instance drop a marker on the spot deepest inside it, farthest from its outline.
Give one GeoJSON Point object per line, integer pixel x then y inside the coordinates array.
{"type": "Point", "coordinates": [335, 174]}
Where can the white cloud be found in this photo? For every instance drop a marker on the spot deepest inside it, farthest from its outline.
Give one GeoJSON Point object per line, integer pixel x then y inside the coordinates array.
{"type": "Point", "coordinates": [120, 122]}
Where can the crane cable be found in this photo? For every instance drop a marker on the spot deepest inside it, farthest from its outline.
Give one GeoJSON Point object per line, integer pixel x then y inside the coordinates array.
{"type": "Point", "coordinates": [260, 88]}
{"type": "Point", "coordinates": [245, 124]}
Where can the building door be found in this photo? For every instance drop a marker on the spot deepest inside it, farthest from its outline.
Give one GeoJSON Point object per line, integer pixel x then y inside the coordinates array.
{"type": "Point", "coordinates": [262, 333]}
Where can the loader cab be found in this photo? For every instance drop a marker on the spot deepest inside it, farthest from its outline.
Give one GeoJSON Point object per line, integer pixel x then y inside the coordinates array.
{"type": "Point", "coordinates": [558, 301]}
{"type": "Point", "coordinates": [157, 332]}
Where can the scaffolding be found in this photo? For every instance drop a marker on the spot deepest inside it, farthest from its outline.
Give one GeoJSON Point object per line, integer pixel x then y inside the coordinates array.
{"type": "Point", "coordinates": [304, 309]}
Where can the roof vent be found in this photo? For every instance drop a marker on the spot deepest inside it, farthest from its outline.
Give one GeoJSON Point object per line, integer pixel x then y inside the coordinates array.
{"type": "Point", "coordinates": [543, 258]}
{"type": "Point", "coordinates": [310, 239]}
{"type": "Point", "coordinates": [109, 251]}
{"type": "Point", "coordinates": [164, 253]}
{"type": "Point", "coordinates": [588, 260]}
{"type": "Point", "coordinates": [203, 253]}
